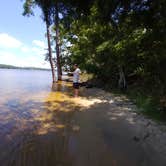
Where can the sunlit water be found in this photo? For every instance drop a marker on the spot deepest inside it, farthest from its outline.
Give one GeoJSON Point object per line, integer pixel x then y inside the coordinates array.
{"type": "Point", "coordinates": [37, 125]}
{"type": "Point", "coordinates": [27, 113]}
{"type": "Point", "coordinates": [43, 125]}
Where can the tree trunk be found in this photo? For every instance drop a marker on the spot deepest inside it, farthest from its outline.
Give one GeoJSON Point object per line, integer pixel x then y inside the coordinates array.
{"type": "Point", "coordinates": [122, 79]}
{"type": "Point", "coordinates": [57, 43]}
{"type": "Point", "coordinates": [50, 53]}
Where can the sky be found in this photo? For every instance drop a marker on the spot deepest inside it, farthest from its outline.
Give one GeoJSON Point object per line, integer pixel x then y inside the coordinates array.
{"type": "Point", "coordinates": [22, 39]}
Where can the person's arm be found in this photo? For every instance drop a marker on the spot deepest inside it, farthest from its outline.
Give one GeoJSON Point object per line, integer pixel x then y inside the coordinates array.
{"type": "Point", "coordinates": [70, 73]}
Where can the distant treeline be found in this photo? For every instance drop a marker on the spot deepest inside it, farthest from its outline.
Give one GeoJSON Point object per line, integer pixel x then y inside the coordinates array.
{"type": "Point", "coordinates": [3, 66]}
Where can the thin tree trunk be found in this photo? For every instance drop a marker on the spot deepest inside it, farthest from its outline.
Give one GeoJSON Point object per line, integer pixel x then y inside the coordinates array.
{"type": "Point", "coordinates": [50, 53]}
{"type": "Point", "coordinates": [57, 43]}
{"type": "Point", "coordinates": [122, 79]}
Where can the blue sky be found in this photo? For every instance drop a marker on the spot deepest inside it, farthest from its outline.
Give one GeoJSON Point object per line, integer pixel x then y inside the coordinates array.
{"type": "Point", "coordinates": [22, 39]}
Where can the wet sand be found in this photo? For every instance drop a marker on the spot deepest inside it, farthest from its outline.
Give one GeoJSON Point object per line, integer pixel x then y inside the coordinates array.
{"type": "Point", "coordinates": [96, 129]}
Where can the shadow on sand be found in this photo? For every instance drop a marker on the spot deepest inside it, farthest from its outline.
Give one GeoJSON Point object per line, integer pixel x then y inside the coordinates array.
{"type": "Point", "coordinates": [64, 131]}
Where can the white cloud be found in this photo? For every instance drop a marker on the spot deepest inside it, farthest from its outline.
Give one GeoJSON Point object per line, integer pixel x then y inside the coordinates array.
{"type": "Point", "coordinates": [39, 47]}
{"type": "Point", "coordinates": [23, 55]}
{"type": "Point", "coordinates": [38, 51]}
{"type": "Point", "coordinates": [39, 43]}
{"type": "Point", "coordinates": [6, 55]}
{"type": "Point", "coordinates": [7, 41]}
{"type": "Point", "coordinates": [10, 58]}
{"type": "Point", "coordinates": [25, 49]}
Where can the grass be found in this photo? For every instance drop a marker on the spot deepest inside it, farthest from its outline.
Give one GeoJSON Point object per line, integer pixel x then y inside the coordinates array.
{"type": "Point", "coordinates": [147, 104]}
{"type": "Point", "coordinates": [85, 77]}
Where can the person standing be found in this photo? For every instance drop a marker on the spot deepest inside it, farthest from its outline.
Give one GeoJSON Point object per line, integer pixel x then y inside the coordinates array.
{"type": "Point", "coordinates": [76, 80]}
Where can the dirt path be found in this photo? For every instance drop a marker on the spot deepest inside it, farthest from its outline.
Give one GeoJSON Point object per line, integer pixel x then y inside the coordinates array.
{"type": "Point", "coordinates": [96, 129]}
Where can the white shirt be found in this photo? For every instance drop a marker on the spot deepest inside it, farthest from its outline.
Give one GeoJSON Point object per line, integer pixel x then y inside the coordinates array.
{"type": "Point", "coordinates": [76, 75]}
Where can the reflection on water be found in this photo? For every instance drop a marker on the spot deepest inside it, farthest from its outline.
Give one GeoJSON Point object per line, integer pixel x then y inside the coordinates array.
{"type": "Point", "coordinates": [43, 125]}
{"type": "Point", "coordinates": [34, 120]}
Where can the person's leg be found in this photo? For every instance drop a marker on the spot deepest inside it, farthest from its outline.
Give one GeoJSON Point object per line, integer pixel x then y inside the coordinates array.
{"type": "Point", "coordinates": [76, 89]}
{"type": "Point", "coordinates": [76, 93]}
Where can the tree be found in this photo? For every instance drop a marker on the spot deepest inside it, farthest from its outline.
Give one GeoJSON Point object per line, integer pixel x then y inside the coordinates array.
{"type": "Point", "coordinates": [51, 10]}
{"type": "Point", "coordinates": [46, 9]}
{"type": "Point", "coordinates": [121, 40]}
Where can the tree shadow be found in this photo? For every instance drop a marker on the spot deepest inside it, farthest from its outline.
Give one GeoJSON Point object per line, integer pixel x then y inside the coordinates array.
{"type": "Point", "coordinates": [37, 133]}
{"type": "Point", "coordinates": [63, 131]}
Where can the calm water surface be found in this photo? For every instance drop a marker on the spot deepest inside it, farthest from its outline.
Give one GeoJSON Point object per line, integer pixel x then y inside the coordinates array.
{"type": "Point", "coordinates": [14, 81]}
{"type": "Point", "coordinates": [23, 102]}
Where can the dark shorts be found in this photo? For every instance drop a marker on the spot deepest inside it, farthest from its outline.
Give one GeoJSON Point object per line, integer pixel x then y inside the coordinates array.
{"type": "Point", "coordinates": [76, 85]}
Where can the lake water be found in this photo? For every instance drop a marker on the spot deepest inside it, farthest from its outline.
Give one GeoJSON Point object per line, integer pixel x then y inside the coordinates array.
{"type": "Point", "coordinates": [23, 98]}
{"type": "Point", "coordinates": [43, 125]}
{"type": "Point", "coordinates": [22, 81]}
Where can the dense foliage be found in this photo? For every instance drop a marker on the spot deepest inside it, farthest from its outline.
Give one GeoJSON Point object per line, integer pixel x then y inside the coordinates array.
{"type": "Point", "coordinates": [125, 37]}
